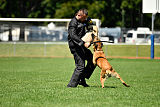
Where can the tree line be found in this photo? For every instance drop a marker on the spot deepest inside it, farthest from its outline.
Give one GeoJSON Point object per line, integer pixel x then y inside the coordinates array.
{"type": "Point", "coordinates": [112, 13]}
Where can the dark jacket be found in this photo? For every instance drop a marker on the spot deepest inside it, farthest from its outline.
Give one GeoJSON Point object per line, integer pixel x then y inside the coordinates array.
{"type": "Point", "coordinates": [76, 30]}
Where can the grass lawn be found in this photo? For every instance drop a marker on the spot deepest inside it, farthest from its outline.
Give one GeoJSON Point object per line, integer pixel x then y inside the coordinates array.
{"type": "Point", "coordinates": [41, 82]}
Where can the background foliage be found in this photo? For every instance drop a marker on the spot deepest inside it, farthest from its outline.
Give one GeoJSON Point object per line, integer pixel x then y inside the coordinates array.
{"type": "Point", "coordinates": [123, 13]}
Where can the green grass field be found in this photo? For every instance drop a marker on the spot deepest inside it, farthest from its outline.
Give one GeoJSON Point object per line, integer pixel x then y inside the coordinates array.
{"type": "Point", "coordinates": [41, 82]}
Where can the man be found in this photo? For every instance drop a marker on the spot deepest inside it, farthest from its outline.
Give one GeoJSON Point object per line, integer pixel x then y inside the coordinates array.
{"type": "Point", "coordinates": [78, 48]}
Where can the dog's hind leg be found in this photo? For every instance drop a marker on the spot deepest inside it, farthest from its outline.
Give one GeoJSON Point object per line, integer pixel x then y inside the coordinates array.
{"type": "Point", "coordinates": [115, 74]}
{"type": "Point", "coordinates": [102, 78]}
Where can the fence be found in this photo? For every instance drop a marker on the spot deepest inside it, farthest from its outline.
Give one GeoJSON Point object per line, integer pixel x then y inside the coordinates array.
{"type": "Point", "coordinates": [131, 50]}
{"type": "Point", "coordinates": [21, 32]}
{"type": "Point", "coordinates": [35, 29]}
{"type": "Point", "coordinates": [60, 49]}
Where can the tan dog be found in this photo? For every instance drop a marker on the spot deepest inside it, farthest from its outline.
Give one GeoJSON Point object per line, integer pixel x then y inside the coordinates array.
{"type": "Point", "coordinates": [100, 60]}
{"type": "Point", "coordinates": [89, 36]}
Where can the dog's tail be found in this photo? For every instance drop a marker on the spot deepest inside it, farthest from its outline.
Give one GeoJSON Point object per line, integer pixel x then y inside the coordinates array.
{"type": "Point", "coordinates": [115, 74]}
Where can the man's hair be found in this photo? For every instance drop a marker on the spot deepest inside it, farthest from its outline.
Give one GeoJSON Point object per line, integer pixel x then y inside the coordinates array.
{"type": "Point", "coordinates": [84, 11]}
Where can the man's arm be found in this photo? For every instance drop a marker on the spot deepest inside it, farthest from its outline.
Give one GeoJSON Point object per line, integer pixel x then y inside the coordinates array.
{"type": "Point", "coordinates": [73, 34]}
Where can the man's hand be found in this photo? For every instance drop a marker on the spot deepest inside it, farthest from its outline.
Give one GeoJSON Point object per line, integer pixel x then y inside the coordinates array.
{"type": "Point", "coordinates": [87, 44]}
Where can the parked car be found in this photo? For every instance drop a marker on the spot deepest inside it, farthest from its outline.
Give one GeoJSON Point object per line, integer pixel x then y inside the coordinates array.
{"type": "Point", "coordinates": [156, 39]}
{"type": "Point", "coordinates": [110, 34]}
{"type": "Point", "coordinates": [45, 34]}
{"type": "Point", "coordinates": [138, 36]}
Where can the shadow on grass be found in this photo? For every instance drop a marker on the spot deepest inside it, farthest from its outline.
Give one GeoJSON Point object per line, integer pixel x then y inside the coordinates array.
{"type": "Point", "coordinates": [110, 87]}
{"type": "Point", "coordinates": [104, 86]}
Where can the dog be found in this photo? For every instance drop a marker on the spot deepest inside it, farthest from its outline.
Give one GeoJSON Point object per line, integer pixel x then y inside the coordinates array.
{"type": "Point", "coordinates": [90, 35]}
{"type": "Point", "coordinates": [100, 60]}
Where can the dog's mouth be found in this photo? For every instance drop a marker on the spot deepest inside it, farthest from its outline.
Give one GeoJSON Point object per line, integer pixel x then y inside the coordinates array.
{"type": "Point", "coordinates": [97, 46]}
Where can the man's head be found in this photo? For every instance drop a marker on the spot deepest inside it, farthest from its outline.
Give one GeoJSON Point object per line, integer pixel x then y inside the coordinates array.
{"type": "Point", "coordinates": [82, 15]}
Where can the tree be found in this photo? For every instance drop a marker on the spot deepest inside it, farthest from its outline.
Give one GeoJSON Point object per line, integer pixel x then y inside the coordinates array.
{"type": "Point", "coordinates": [112, 13]}
{"type": "Point", "coordinates": [96, 9]}
{"type": "Point", "coordinates": [68, 9]}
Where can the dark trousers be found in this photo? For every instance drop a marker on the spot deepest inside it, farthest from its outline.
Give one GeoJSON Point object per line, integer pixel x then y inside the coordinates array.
{"type": "Point", "coordinates": [81, 71]}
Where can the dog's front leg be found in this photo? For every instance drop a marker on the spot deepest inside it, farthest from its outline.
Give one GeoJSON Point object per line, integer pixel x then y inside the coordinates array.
{"type": "Point", "coordinates": [102, 78]}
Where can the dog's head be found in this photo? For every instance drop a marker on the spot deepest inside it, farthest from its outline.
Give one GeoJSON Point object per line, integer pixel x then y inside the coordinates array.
{"type": "Point", "coordinates": [97, 45]}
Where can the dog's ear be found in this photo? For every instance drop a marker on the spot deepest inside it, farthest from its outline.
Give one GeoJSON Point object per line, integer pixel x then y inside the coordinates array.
{"type": "Point", "coordinates": [102, 44]}
{"type": "Point", "coordinates": [92, 36]}
{"type": "Point", "coordinates": [95, 45]}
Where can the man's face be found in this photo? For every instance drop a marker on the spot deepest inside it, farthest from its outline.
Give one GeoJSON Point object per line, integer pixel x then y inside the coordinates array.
{"type": "Point", "coordinates": [82, 17]}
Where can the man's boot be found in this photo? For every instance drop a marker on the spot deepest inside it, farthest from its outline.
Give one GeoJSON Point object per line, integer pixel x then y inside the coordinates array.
{"type": "Point", "coordinates": [75, 79]}
{"type": "Point", "coordinates": [83, 82]}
